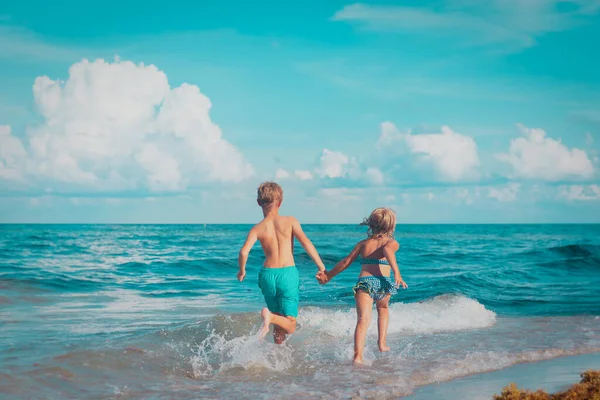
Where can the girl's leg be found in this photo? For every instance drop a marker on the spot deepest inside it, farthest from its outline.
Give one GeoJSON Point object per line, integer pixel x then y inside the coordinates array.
{"type": "Point", "coordinates": [364, 305]}
{"type": "Point", "coordinates": [382, 322]}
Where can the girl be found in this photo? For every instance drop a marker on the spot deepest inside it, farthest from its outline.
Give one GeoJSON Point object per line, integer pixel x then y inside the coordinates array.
{"type": "Point", "coordinates": [378, 256]}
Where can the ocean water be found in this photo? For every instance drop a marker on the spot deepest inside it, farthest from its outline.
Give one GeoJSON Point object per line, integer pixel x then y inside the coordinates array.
{"type": "Point", "coordinates": [143, 311]}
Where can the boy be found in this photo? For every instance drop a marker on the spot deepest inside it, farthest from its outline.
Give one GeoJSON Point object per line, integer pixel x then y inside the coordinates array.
{"type": "Point", "coordinates": [278, 278]}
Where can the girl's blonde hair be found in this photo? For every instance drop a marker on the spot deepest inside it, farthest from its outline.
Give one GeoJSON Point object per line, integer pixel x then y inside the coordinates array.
{"type": "Point", "coordinates": [381, 222]}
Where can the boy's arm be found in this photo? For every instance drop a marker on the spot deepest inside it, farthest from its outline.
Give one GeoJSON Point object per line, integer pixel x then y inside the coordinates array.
{"type": "Point", "coordinates": [244, 252]}
{"type": "Point", "coordinates": [389, 251]}
{"type": "Point", "coordinates": [307, 244]}
{"type": "Point", "coordinates": [345, 262]}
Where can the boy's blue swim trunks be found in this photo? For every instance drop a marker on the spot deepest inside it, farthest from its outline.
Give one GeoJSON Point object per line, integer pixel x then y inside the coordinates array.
{"type": "Point", "coordinates": [281, 288]}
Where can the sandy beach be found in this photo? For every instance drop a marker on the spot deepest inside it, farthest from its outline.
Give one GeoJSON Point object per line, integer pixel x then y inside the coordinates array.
{"type": "Point", "coordinates": [551, 375]}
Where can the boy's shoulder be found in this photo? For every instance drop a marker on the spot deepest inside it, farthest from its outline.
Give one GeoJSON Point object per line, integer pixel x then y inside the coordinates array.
{"type": "Point", "coordinates": [289, 219]}
{"type": "Point", "coordinates": [281, 218]}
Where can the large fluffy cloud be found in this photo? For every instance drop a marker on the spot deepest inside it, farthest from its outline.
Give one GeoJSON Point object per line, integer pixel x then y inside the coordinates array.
{"type": "Point", "coordinates": [12, 155]}
{"type": "Point", "coordinates": [536, 156]}
{"type": "Point", "coordinates": [121, 126]}
{"type": "Point", "coordinates": [454, 156]}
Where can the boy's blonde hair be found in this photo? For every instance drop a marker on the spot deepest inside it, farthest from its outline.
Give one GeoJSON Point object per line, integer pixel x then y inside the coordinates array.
{"type": "Point", "coordinates": [269, 193]}
{"type": "Point", "coordinates": [381, 222]}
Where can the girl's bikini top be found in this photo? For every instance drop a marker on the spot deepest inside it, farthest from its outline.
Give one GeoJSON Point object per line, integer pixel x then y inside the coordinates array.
{"type": "Point", "coordinates": [374, 261]}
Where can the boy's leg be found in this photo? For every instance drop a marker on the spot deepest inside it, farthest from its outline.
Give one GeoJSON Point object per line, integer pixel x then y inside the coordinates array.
{"type": "Point", "coordinates": [364, 305]}
{"type": "Point", "coordinates": [285, 324]}
{"type": "Point", "coordinates": [278, 335]}
{"type": "Point", "coordinates": [267, 281]}
{"type": "Point", "coordinates": [383, 319]}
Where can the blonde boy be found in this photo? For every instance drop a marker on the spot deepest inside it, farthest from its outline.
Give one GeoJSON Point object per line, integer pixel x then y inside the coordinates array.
{"type": "Point", "coordinates": [278, 279]}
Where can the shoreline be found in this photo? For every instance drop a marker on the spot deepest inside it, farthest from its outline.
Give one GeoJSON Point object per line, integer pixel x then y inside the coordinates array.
{"type": "Point", "coordinates": [550, 375]}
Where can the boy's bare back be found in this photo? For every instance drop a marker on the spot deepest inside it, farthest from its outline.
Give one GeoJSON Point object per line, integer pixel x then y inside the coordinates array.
{"type": "Point", "coordinates": [276, 237]}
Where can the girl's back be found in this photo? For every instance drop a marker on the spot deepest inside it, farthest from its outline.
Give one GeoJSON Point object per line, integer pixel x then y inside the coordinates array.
{"type": "Point", "coordinates": [372, 248]}
{"type": "Point", "coordinates": [373, 259]}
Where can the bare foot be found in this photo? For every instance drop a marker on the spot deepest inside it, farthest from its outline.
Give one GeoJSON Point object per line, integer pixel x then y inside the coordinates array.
{"type": "Point", "coordinates": [383, 348]}
{"type": "Point", "coordinates": [266, 316]}
{"type": "Point", "coordinates": [357, 361]}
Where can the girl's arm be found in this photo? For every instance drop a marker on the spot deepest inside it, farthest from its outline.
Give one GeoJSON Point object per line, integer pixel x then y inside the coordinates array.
{"type": "Point", "coordinates": [345, 262]}
{"type": "Point", "coordinates": [389, 251]}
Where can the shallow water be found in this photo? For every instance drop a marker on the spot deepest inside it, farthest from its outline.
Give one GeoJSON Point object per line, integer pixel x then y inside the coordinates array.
{"type": "Point", "coordinates": [156, 312]}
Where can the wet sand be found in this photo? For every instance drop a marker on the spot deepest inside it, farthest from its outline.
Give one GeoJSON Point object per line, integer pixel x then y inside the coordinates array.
{"type": "Point", "coordinates": [552, 375]}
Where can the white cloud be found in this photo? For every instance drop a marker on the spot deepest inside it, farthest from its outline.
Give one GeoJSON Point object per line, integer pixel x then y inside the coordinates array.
{"type": "Point", "coordinates": [580, 192]}
{"type": "Point", "coordinates": [281, 173]}
{"type": "Point", "coordinates": [343, 194]}
{"type": "Point", "coordinates": [12, 155]}
{"type": "Point", "coordinates": [453, 155]}
{"type": "Point", "coordinates": [303, 175]}
{"type": "Point", "coordinates": [374, 176]}
{"type": "Point", "coordinates": [536, 156]}
{"type": "Point", "coordinates": [466, 195]}
{"type": "Point", "coordinates": [22, 44]}
{"type": "Point", "coordinates": [162, 169]}
{"type": "Point", "coordinates": [333, 164]}
{"type": "Point", "coordinates": [511, 24]}
{"type": "Point", "coordinates": [506, 194]}
{"type": "Point", "coordinates": [336, 165]}
{"type": "Point", "coordinates": [589, 115]}
{"type": "Point", "coordinates": [120, 126]}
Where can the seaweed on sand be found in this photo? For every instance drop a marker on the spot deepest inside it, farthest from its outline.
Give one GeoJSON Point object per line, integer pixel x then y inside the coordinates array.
{"type": "Point", "coordinates": [587, 389]}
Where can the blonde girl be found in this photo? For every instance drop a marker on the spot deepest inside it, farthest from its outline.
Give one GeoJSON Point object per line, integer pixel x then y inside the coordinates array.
{"type": "Point", "coordinates": [377, 258]}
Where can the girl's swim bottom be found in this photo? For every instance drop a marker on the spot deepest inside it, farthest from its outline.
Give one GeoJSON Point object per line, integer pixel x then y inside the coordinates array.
{"type": "Point", "coordinates": [375, 286]}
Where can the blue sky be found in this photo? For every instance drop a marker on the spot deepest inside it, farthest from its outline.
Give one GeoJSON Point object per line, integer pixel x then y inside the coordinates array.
{"type": "Point", "coordinates": [447, 111]}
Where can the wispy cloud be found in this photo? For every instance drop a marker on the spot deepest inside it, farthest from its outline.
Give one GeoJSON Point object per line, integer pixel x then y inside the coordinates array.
{"type": "Point", "coordinates": [24, 45]}
{"type": "Point", "coordinates": [580, 192]}
{"type": "Point", "coordinates": [589, 115]}
{"type": "Point", "coordinates": [383, 82]}
{"type": "Point", "coordinates": [512, 24]}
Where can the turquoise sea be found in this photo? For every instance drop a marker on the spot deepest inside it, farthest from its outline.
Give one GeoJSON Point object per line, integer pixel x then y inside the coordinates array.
{"type": "Point", "coordinates": [155, 311]}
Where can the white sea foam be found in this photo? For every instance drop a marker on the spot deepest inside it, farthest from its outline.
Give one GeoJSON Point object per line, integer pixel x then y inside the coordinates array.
{"type": "Point", "coordinates": [440, 314]}
{"type": "Point", "coordinates": [318, 326]}
{"type": "Point", "coordinates": [217, 354]}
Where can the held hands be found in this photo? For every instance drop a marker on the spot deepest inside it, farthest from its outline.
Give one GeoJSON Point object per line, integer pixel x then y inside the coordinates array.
{"type": "Point", "coordinates": [241, 275]}
{"type": "Point", "coordinates": [400, 282]}
{"type": "Point", "coordinates": [322, 276]}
